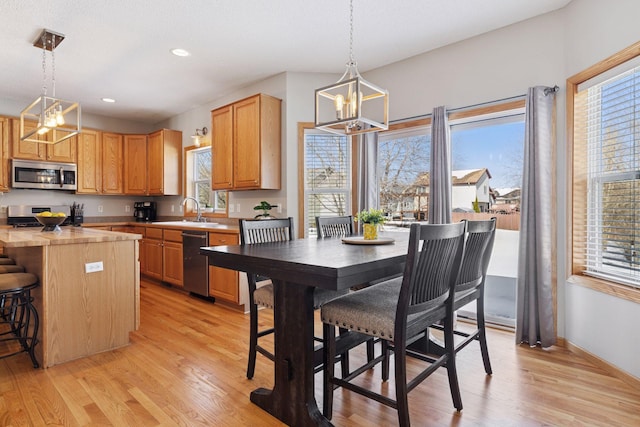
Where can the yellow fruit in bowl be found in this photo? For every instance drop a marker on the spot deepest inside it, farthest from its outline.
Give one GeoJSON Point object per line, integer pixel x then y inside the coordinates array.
{"type": "Point", "coordinates": [45, 214]}
{"type": "Point", "coordinates": [60, 215]}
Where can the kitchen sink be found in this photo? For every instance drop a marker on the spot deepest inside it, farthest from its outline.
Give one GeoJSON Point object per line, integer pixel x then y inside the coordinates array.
{"type": "Point", "coordinates": [185, 223]}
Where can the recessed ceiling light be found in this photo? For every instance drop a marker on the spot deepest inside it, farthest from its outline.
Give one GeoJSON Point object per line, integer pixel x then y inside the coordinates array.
{"type": "Point", "coordinates": [180, 52]}
{"type": "Point", "coordinates": [110, 100]}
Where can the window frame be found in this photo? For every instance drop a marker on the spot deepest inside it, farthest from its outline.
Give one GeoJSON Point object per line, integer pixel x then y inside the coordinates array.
{"type": "Point", "coordinates": [188, 186]}
{"type": "Point", "coordinates": [577, 181]}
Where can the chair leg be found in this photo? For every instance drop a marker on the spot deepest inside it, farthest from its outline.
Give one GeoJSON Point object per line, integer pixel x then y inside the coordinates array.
{"type": "Point", "coordinates": [34, 334]}
{"type": "Point", "coordinates": [386, 353]}
{"type": "Point", "coordinates": [400, 358]}
{"type": "Point", "coordinates": [329, 351]}
{"type": "Point", "coordinates": [344, 357]}
{"type": "Point", "coordinates": [482, 335]}
{"type": "Point", "coordinates": [452, 373]}
{"type": "Point", "coordinates": [370, 350]}
{"type": "Point", "coordinates": [253, 339]}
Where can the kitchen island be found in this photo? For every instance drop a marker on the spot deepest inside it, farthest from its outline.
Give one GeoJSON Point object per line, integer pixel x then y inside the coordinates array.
{"type": "Point", "coordinates": [89, 294]}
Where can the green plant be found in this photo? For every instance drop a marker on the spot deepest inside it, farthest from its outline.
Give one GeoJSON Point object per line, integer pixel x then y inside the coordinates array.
{"type": "Point", "coordinates": [371, 216]}
{"type": "Point", "coordinates": [265, 207]}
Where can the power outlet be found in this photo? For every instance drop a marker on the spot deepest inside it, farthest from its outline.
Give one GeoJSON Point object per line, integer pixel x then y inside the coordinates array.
{"type": "Point", "coordinates": [173, 208]}
{"type": "Point", "coordinates": [92, 267]}
{"type": "Point", "coordinates": [100, 209]}
{"type": "Point", "coordinates": [231, 208]}
{"type": "Point", "coordinates": [279, 208]}
{"type": "Point", "coordinates": [127, 208]}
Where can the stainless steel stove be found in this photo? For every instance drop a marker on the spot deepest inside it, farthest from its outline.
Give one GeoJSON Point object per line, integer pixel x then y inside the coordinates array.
{"type": "Point", "coordinates": [24, 215]}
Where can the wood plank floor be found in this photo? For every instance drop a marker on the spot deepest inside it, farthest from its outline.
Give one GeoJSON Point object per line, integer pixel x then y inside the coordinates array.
{"type": "Point", "coordinates": [186, 364]}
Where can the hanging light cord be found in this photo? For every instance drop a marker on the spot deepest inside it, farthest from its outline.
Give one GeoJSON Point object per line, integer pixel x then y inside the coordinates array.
{"type": "Point", "coordinates": [53, 66]}
{"type": "Point", "coordinates": [351, 60]}
{"type": "Point", "coordinates": [44, 66]}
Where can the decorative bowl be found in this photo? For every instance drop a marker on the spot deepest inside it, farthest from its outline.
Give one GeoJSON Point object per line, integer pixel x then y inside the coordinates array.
{"type": "Point", "coordinates": [51, 223]}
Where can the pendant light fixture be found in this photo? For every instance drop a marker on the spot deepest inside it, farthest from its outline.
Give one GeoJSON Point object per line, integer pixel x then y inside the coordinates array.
{"type": "Point", "coordinates": [352, 105]}
{"type": "Point", "coordinates": [55, 119]}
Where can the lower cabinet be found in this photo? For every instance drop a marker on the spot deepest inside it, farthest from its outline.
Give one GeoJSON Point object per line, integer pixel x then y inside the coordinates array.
{"type": "Point", "coordinates": [151, 253]}
{"type": "Point", "coordinates": [223, 283]}
{"type": "Point", "coordinates": [172, 257]}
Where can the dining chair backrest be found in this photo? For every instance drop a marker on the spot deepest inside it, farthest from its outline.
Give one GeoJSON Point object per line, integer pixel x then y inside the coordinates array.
{"type": "Point", "coordinates": [265, 230]}
{"type": "Point", "coordinates": [334, 226]}
{"type": "Point", "coordinates": [477, 253]}
{"type": "Point", "coordinates": [433, 262]}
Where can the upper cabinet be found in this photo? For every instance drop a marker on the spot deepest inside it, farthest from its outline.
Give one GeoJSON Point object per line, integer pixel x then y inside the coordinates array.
{"type": "Point", "coordinates": [135, 164]}
{"type": "Point", "coordinates": [246, 141]}
{"type": "Point", "coordinates": [5, 173]}
{"type": "Point", "coordinates": [64, 151]}
{"type": "Point", "coordinates": [164, 151]}
{"type": "Point", "coordinates": [153, 164]}
{"type": "Point", "coordinates": [100, 162]}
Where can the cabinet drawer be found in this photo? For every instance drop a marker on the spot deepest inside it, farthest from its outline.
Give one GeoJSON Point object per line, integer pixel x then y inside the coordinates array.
{"type": "Point", "coordinates": [173, 235]}
{"type": "Point", "coordinates": [153, 233]}
{"type": "Point", "coordinates": [221, 239]}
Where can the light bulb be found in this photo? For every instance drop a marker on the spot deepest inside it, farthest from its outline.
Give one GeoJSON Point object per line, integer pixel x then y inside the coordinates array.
{"type": "Point", "coordinates": [59, 116]}
{"type": "Point", "coordinates": [339, 104]}
{"type": "Point", "coordinates": [42, 129]}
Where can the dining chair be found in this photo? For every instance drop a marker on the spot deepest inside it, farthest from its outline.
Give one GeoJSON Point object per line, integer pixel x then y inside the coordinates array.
{"type": "Point", "coordinates": [267, 231]}
{"type": "Point", "coordinates": [400, 311]}
{"type": "Point", "coordinates": [335, 226]}
{"type": "Point", "coordinates": [470, 285]}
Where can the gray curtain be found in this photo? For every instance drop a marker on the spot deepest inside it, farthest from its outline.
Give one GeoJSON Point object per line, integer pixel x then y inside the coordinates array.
{"type": "Point", "coordinates": [535, 321]}
{"type": "Point", "coordinates": [440, 169]}
{"type": "Point", "coordinates": [367, 179]}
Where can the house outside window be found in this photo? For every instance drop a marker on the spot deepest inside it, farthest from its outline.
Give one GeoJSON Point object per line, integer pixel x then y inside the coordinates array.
{"type": "Point", "coordinates": [403, 173]}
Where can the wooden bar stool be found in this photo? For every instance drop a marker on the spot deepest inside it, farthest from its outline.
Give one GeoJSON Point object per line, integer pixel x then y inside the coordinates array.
{"type": "Point", "coordinates": [19, 319]}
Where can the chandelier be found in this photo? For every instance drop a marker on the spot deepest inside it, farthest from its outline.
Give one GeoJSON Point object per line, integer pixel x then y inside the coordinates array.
{"type": "Point", "coordinates": [352, 105]}
{"type": "Point", "coordinates": [55, 119]}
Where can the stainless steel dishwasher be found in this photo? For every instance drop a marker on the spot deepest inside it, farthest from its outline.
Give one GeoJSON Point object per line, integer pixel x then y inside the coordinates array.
{"type": "Point", "coordinates": [195, 267]}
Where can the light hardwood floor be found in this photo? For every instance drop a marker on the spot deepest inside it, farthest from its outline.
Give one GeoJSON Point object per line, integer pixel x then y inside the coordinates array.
{"type": "Point", "coordinates": [186, 366]}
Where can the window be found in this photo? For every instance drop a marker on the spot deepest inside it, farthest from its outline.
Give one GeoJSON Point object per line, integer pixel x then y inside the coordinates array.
{"type": "Point", "coordinates": [326, 176]}
{"type": "Point", "coordinates": [603, 119]}
{"type": "Point", "coordinates": [198, 172]}
{"type": "Point", "coordinates": [403, 173]}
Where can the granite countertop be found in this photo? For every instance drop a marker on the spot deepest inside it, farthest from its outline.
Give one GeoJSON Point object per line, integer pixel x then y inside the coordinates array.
{"type": "Point", "coordinates": [24, 237]}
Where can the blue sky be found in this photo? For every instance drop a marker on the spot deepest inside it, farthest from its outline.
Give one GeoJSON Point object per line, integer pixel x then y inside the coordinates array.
{"type": "Point", "coordinates": [497, 147]}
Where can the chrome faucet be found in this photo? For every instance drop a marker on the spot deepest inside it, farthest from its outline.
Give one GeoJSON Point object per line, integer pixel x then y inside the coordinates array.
{"type": "Point", "coordinates": [198, 213]}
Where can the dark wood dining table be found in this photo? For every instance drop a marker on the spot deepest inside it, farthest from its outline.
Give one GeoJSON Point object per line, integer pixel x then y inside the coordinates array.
{"type": "Point", "coordinates": [297, 267]}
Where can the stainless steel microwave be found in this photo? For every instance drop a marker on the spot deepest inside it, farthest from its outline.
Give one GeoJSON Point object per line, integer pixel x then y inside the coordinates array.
{"type": "Point", "coordinates": [44, 175]}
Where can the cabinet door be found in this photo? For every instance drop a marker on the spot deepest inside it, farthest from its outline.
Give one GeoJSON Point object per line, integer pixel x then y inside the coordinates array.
{"type": "Point", "coordinates": [89, 162]}
{"type": "Point", "coordinates": [155, 181]}
{"type": "Point", "coordinates": [246, 134]}
{"type": "Point", "coordinates": [223, 283]}
{"type": "Point", "coordinates": [152, 258]}
{"type": "Point", "coordinates": [24, 149]}
{"type": "Point", "coordinates": [135, 164]}
{"type": "Point", "coordinates": [112, 163]}
{"type": "Point", "coordinates": [172, 263]}
{"type": "Point", "coordinates": [64, 151]}
{"type": "Point", "coordinates": [222, 148]}
{"type": "Point", "coordinates": [5, 180]}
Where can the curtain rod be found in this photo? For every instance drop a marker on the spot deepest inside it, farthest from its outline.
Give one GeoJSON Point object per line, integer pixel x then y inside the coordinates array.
{"type": "Point", "coordinates": [468, 107]}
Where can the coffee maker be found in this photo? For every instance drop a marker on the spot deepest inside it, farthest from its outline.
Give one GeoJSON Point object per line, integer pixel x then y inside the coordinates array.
{"type": "Point", "coordinates": [144, 211]}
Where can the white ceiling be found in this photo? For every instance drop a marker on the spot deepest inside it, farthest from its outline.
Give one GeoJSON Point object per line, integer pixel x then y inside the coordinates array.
{"type": "Point", "coordinates": [120, 48]}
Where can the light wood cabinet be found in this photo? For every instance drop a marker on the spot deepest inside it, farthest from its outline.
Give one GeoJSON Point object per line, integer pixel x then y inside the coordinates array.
{"type": "Point", "coordinates": [151, 253]}
{"type": "Point", "coordinates": [246, 141]}
{"type": "Point", "coordinates": [172, 257]}
{"type": "Point", "coordinates": [89, 162]}
{"type": "Point", "coordinates": [164, 154]}
{"type": "Point", "coordinates": [5, 167]}
{"type": "Point", "coordinates": [223, 283]}
{"type": "Point", "coordinates": [64, 151]}
{"type": "Point", "coordinates": [135, 164]}
{"type": "Point", "coordinates": [99, 162]}
{"type": "Point", "coordinates": [112, 163]}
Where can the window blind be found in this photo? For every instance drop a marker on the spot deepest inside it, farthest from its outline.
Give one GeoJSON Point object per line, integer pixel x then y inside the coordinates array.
{"type": "Point", "coordinates": [327, 177]}
{"type": "Point", "coordinates": [610, 114]}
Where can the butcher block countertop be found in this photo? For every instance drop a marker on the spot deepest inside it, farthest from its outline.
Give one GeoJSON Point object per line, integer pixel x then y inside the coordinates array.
{"type": "Point", "coordinates": [15, 238]}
